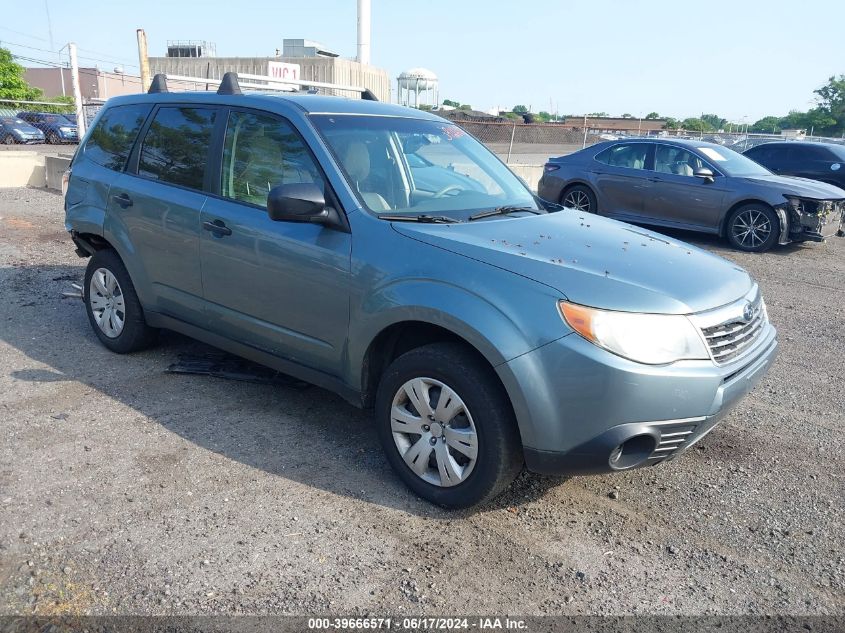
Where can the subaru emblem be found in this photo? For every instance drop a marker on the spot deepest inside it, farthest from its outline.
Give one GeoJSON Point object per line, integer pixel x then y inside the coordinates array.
{"type": "Point", "coordinates": [747, 312]}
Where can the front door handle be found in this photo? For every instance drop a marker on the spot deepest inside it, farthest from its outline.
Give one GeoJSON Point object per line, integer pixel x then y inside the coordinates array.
{"type": "Point", "coordinates": [217, 227]}
{"type": "Point", "coordinates": [123, 200]}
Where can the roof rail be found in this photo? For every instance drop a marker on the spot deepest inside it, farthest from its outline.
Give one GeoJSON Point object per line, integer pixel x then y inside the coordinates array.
{"type": "Point", "coordinates": [159, 84]}
{"type": "Point", "coordinates": [234, 83]}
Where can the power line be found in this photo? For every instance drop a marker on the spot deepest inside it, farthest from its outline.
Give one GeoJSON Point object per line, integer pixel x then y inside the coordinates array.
{"type": "Point", "coordinates": [93, 59]}
{"type": "Point", "coordinates": [34, 37]}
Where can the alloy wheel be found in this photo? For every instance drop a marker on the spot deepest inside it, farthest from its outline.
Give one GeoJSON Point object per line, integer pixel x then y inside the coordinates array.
{"type": "Point", "coordinates": [434, 432]}
{"type": "Point", "coordinates": [751, 228]}
{"type": "Point", "coordinates": [107, 302]}
{"type": "Point", "coordinates": [578, 200]}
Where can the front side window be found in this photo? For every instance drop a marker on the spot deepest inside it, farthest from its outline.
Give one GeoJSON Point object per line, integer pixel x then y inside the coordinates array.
{"type": "Point", "coordinates": [418, 166]}
{"type": "Point", "coordinates": [261, 152]}
{"type": "Point", "coordinates": [111, 140]}
{"type": "Point", "coordinates": [669, 159]}
{"type": "Point", "coordinates": [175, 149]}
{"type": "Point", "coordinates": [628, 155]}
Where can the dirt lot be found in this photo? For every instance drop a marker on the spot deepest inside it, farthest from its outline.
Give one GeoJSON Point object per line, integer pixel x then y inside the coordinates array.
{"type": "Point", "coordinates": [124, 489]}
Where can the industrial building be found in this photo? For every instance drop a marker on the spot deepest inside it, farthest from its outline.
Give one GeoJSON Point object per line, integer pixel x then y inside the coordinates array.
{"type": "Point", "coordinates": [94, 84]}
{"type": "Point", "coordinates": [315, 62]}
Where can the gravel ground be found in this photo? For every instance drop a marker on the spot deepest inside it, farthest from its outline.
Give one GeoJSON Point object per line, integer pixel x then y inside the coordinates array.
{"type": "Point", "coordinates": [128, 490]}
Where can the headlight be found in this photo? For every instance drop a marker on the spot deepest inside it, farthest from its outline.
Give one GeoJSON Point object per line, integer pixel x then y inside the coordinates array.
{"type": "Point", "coordinates": [653, 339]}
{"type": "Point", "coordinates": [66, 130]}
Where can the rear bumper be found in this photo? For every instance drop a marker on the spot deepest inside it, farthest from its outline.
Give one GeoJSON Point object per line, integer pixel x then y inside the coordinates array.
{"type": "Point", "coordinates": [605, 414]}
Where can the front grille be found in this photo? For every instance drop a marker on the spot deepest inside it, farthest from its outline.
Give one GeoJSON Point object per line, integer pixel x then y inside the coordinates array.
{"type": "Point", "coordinates": [731, 339]}
{"type": "Point", "coordinates": [673, 435]}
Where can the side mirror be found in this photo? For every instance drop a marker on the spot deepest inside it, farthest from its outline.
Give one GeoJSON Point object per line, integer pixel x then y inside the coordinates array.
{"type": "Point", "coordinates": [300, 202]}
{"type": "Point", "coordinates": [705, 174]}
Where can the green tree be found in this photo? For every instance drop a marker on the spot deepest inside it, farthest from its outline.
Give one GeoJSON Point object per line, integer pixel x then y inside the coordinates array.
{"type": "Point", "coordinates": [12, 83]}
{"type": "Point", "coordinates": [693, 124]}
{"type": "Point", "coordinates": [651, 116]}
{"type": "Point", "coordinates": [449, 102]}
{"type": "Point", "coordinates": [465, 106]}
{"type": "Point", "coordinates": [671, 123]}
{"type": "Point", "coordinates": [627, 116]}
{"type": "Point", "coordinates": [543, 116]}
{"type": "Point", "coordinates": [714, 121]}
{"type": "Point", "coordinates": [520, 109]}
{"type": "Point", "coordinates": [768, 124]}
{"type": "Point", "coordinates": [599, 114]}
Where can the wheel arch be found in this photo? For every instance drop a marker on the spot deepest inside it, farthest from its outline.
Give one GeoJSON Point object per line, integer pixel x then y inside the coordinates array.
{"type": "Point", "coordinates": [576, 183]}
{"type": "Point", "coordinates": [723, 224]}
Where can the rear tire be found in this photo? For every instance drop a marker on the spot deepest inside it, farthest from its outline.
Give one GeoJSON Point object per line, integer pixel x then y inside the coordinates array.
{"type": "Point", "coordinates": [113, 308]}
{"type": "Point", "coordinates": [580, 198]}
{"type": "Point", "coordinates": [753, 228]}
{"type": "Point", "coordinates": [52, 138]}
{"type": "Point", "coordinates": [9, 140]}
{"type": "Point", "coordinates": [456, 450]}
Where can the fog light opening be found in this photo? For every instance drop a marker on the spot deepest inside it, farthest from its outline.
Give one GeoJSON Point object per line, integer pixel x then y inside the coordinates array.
{"type": "Point", "coordinates": [632, 452]}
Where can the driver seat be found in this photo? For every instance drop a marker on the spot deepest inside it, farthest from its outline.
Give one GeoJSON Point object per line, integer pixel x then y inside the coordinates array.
{"type": "Point", "coordinates": [356, 161]}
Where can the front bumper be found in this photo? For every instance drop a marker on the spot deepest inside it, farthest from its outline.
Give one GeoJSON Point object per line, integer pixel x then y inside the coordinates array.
{"type": "Point", "coordinates": [577, 404]}
{"type": "Point", "coordinates": [824, 222]}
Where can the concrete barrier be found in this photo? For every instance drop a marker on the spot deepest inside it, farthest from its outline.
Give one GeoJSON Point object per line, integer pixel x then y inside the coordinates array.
{"type": "Point", "coordinates": [529, 173]}
{"type": "Point", "coordinates": [22, 169]}
{"type": "Point", "coordinates": [55, 166]}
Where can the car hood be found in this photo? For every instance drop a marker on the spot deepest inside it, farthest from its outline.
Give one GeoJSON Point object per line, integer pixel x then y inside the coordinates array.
{"type": "Point", "coordinates": [804, 187]}
{"type": "Point", "coordinates": [595, 261]}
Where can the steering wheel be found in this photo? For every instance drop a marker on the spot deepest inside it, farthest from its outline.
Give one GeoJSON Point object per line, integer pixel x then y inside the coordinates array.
{"type": "Point", "coordinates": [446, 190]}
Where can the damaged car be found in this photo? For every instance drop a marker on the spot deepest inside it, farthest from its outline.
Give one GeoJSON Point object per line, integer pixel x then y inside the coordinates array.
{"type": "Point", "coordinates": [696, 186]}
{"type": "Point", "coordinates": [486, 329]}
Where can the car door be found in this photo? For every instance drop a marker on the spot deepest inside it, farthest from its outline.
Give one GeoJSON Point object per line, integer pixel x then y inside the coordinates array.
{"type": "Point", "coordinates": [155, 207]}
{"type": "Point", "coordinates": [809, 161]}
{"type": "Point", "coordinates": [678, 198]}
{"type": "Point", "coordinates": [282, 287]}
{"type": "Point", "coordinates": [621, 176]}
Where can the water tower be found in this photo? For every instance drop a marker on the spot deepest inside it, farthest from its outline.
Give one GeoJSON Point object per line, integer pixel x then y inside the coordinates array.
{"type": "Point", "coordinates": [418, 86]}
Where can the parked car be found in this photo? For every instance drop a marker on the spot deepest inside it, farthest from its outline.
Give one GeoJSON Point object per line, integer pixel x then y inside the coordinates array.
{"type": "Point", "coordinates": [817, 161]}
{"type": "Point", "coordinates": [14, 130]}
{"type": "Point", "coordinates": [57, 129]}
{"type": "Point", "coordinates": [695, 186]}
{"type": "Point", "coordinates": [486, 328]}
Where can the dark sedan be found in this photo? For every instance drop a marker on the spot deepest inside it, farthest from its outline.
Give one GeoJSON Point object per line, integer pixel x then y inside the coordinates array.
{"type": "Point", "coordinates": [818, 161]}
{"type": "Point", "coordinates": [696, 186]}
{"type": "Point", "coordinates": [57, 129]}
{"type": "Point", "coordinates": [14, 130]}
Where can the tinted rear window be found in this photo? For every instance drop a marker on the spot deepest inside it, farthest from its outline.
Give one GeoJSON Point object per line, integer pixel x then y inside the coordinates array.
{"type": "Point", "coordinates": [111, 141]}
{"type": "Point", "coordinates": [176, 146]}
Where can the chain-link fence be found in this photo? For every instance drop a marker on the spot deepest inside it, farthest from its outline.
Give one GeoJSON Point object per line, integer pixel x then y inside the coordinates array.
{"type": "Point", "coordinates": [521, 143]}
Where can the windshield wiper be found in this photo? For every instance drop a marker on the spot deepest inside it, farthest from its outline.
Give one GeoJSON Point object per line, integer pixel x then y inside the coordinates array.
{"type": "Point", "coordinates": [429, 219]}
{"type": "Point", "coordinates": [503, 211]}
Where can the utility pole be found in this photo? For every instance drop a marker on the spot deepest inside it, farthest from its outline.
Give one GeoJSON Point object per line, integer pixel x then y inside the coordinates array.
{"type": "Point", "coordinates": [584, 144]}
{"type": "Point", "coordinates": [77, 94]}
{"type": "Point", "coordinates": [143, 60]}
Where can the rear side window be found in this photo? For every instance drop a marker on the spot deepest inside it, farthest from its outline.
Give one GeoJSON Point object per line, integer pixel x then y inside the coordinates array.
{"type": "Point", "coordinates": [111, 141]}
{"type": "Point", "coordinates": [632, 156]}
{"type": "Point", "coordinates": [175, 149]}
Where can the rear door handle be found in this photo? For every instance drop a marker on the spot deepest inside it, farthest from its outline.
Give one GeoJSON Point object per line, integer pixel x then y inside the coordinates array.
{"type": "Point", "coordinates": [123, 200]}
{"type": "Point", "coordinates": [217, 227]}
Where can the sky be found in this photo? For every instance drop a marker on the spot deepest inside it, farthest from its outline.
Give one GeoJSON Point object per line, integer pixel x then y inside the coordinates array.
{"type": "Point", "coordinates": [742, 59]}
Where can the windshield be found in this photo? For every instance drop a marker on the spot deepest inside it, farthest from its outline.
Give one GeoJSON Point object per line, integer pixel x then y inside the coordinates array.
{"type": "Point", "coordinates": [732, 163]}
{"type": "Point", "coordinates": [414, 166]}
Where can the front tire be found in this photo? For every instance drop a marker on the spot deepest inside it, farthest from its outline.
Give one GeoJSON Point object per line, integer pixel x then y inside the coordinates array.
{"type": "Point", "coordinates": [447, 427]}
{"type": "Point", "coordinates": [9, 140]}
{"type": "Point", "coordinates": [52, 138]}
{"type": "Point", "coordinates": [580, 198]}
{"type": "Point", "coordinates": [753, 228]}
{"type": "Point", "coordinates": [112, 305]}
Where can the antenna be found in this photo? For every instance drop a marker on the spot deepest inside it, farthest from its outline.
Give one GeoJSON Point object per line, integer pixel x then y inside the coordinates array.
{"type": "Point", "coordinates": [229, 85]}
{"type": "Point", "coordinates": [159, 84]}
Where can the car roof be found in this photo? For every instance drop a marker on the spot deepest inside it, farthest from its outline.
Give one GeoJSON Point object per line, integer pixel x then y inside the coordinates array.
{"type": "Point", "coordinates": [312, 104]}
{"type": "Point", "coordinates": [800, 144]}
{"type": "Point", "coordinates": [682, 142]}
